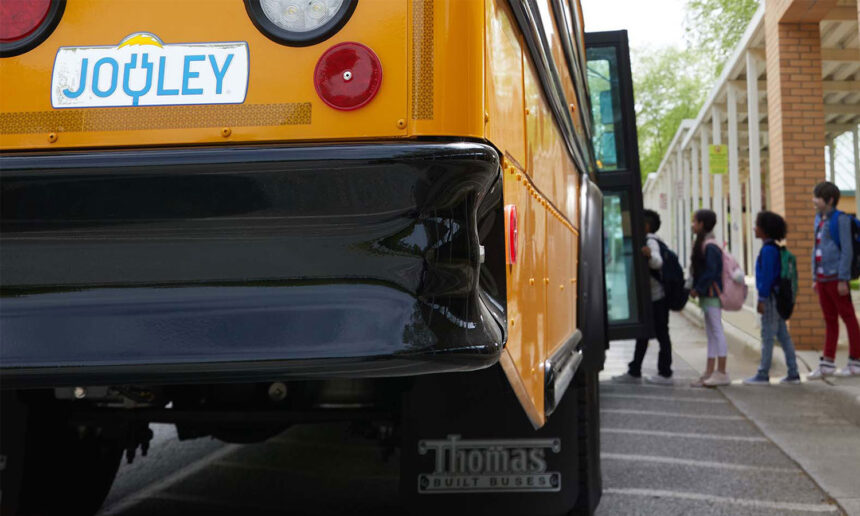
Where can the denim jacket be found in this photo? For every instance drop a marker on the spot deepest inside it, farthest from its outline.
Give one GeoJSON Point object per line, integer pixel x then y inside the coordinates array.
{"type": "Point", "coordinates": [711, 273]}
{"type": "Point", "coordinates": [834, 263]}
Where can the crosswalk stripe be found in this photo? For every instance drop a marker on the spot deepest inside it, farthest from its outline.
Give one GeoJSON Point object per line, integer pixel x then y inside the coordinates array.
{"type": "Point", "coordinates": [696, 463]}
{"type": "Point", "coordinates": [658, 433]}
{"type": "Point", "coordinates": [671, 414]}
{"type": "Point", "coordinates": [746, 502]}
{"type": "Point", "coordinates": [665, 398]}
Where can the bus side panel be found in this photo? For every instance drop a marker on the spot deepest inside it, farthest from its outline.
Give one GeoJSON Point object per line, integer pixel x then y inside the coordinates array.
{"type": "Point", "coordinates": [504, 81]}
{"type": "Point", "coordinates": [527, 300]}
{"type": "Point", "coordinates": [446, 96]}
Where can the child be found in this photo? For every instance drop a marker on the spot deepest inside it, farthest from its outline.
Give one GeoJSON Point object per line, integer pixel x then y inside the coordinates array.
{"type": "Point", "coordinates": [707, 264]}
{"type": "Point", "coordinates": [831, 273]}
{"type": "Point", "coordinates": [651, 252]}
{"type": "Point", "coordinates": [771, 228]}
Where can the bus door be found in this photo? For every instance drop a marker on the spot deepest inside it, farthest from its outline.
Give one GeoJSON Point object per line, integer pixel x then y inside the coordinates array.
{"type": "Point", "coordinates": [616, 154]}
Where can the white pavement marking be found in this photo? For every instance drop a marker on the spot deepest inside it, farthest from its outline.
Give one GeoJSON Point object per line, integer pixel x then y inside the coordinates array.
{"type": "Point", "coordinates": [697, 463]}
{"type": "Point", "coordinates": [657, 433]}
{"type": "Point", "coordinates": [670, 414]}
{"type": "Point", "coordinates": [665, 398]}
{"type": "Point", "coordinates": [152, 489]}
{"type": "Point", "coordinates": [746, 502]}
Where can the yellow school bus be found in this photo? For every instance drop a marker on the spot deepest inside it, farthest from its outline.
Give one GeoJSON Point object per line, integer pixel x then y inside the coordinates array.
{"type": "Point", "coordinates": [239, 216]}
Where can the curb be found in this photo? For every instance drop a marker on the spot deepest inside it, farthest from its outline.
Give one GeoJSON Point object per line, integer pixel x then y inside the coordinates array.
{"type": "Point", "coordinates": [847, 400]}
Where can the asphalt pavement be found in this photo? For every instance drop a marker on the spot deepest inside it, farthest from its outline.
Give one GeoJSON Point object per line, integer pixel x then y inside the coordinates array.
{"type": "Point", "coordinates": [666, 450]}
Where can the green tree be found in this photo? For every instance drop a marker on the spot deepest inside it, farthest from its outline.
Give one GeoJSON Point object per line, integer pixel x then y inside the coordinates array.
{"type": "Point", "coordinates": [670, 85]}
{"type": "Point", "coordinates": [714, 27]}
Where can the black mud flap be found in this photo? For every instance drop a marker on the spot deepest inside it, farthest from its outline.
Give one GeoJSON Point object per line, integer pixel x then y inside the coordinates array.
{"type": "Point", "coordinates": [468, 446]}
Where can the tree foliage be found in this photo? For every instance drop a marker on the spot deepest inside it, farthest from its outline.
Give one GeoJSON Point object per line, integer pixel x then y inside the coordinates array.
{"type": "Point", "coordinates": [714, 27]}
{"type": "Point", "coordinates": [671, 83]}
{"type": "Point", "coordinates": [670, 86]}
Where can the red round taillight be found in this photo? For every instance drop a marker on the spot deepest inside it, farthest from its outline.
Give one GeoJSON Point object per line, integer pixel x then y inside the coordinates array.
{"type": "Point", "coordinates": [20, 18]}
{"type": "Point", "coordinates": [513, 233]}
{"type": "Point", "coordinates": [348, 76]}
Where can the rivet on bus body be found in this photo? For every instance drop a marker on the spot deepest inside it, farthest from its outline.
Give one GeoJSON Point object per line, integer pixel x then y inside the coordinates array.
{"type": "Point", "coordinates": [52, 137]}
{"type": "Point", "coordinates": [528, 111]}
{"type": "Point", "coordinates": [226, 132]}
{"type": "Point", "coordinates": [513, 322]}
{"type": "Point", "coordinates": [546, 281]}
{"type": "Point", "coordinates": [531, 281]}
{"type": "Point", "coordinates": [561, 287]}
{"type": "Point", "coordinates": [486, 117]}
{"type": "Point", "coordinates": [519, 177]}
{"type": "Point", "coordinates": [573, 107]}
{"type": "Point", "coordinates": [401, 124]}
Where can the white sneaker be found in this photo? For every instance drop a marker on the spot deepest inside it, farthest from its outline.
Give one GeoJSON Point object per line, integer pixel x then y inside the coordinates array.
{"type": "Point", "coordinates": [850, 369]}
{"type": "Point", "coordinates": [825, 368]}
{"type": "Point", "coordinates": [626, 378]}
{"type": "Point", "coordinates": [659, 380]}
{"type": "Point", "coordinates": [717, 379]}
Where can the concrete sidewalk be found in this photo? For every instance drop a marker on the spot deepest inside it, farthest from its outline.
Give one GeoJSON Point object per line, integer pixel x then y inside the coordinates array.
{"type": "Point", "coordinates": [817, 424]}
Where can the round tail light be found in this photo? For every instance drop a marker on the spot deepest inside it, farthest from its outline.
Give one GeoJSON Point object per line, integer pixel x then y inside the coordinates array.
{"type": "Point", "coordinates": [348, 76]}
{"type": "Point", "coordinates": [26, 23]}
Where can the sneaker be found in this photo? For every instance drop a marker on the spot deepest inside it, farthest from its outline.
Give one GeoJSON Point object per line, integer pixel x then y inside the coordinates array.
{"type": "Point", "coordinates": [793, 380]}
{"type": "Point", "coordinates": [627, 378]}
{"type": "Point", "coordinates": [758, 379]}
{"type": "Point", "coordinates": [825, 367]}
{"type": "Point", "coordinates": [850, 369]}
{"type": "Point", "coordinates": [699, 382]}
{"type": "Point", "coordinates": [717, 379]}
{"type": "Point", "coordinates": [659, 379]}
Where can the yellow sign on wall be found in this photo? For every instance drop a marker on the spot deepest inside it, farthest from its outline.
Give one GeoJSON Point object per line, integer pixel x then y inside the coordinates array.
{"type": "Point", "coordinates": [719, 159]}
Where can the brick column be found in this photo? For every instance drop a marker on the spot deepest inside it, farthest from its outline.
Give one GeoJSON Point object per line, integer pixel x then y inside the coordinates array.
{"type": "Point", "coordinates": [796, 134]}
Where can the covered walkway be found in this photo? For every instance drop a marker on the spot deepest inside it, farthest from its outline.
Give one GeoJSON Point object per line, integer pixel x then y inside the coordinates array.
{"type": "Point", "coordinates": [785, 112]}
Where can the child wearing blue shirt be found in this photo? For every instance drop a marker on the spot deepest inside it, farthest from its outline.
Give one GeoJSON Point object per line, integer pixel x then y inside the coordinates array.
{"type": "Point", "coordinates": [771, 228]}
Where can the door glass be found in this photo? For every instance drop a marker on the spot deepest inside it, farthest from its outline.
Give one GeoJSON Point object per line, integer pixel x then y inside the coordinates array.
{"type": "Point", "coordinates": [608, 130]}
{"type": "Point", "coordinates": [621, 291]}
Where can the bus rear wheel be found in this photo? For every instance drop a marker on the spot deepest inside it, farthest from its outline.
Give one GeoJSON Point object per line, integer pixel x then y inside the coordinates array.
{"type": "Point", "coordinates": [50, 467]}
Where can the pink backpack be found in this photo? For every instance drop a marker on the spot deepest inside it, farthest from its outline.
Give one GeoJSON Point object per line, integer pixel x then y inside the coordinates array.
{"type": "Point", "coordinates": [735, 289]}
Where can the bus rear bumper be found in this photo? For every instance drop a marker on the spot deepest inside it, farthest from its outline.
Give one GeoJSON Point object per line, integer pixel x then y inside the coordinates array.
{"type": "Point", "coordinates": [250, 263]}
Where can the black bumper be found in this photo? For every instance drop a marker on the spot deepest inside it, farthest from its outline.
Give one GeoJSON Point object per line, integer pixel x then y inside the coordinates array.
{"type": "Point", "coordinates": [250, 263]}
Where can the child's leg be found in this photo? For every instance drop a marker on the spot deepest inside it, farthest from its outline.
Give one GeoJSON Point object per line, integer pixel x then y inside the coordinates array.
{"type": "Point", "coordinates": [787, 348]}
{"type": "Point", "coordinates": [709, 368]}
{"type": "Point", "coordinates": [769, 328]}
{"type": "Point", "coordinates": [827, 294]}
{"type": "Point", "coordinates": [661, 328]}
{"type": "Point", "coordinates": [717, 346]}
{"type": "Point", "coordinates": [721, 364]}
{"type": "Point", "coordinates": [846, 311]}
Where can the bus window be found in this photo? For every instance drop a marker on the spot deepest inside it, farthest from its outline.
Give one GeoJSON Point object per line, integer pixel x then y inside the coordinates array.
{"type": "Point", "coordinates": [607, 137]}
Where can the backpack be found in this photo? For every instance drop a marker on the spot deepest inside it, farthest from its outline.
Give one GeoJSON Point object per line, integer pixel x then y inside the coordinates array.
{"type": "Point", "coordinates": [735, 289]}
{"type": "Point", "coordinates": [855, 238]}
{"type": "Point", "coordinates": [671, 276]}
{"type": "Point", "coordinates": [786, 285]}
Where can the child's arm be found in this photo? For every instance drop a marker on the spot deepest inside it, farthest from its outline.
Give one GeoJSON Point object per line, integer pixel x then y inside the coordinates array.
{"type": "Point", "coordinates": [713, 270]}
{"type": "Point", "coordinates": [766, 277]}
{"type": "Point", "coordinates": [846, 253]}
{"type": "Point", "coordinates": [655, 261]}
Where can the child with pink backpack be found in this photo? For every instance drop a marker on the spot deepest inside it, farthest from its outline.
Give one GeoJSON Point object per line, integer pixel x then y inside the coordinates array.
{"type": "Point", "coordinates": [718, 283]}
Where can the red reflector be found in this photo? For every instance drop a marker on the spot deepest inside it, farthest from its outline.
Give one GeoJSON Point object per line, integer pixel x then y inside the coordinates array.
{"type": "Point", "coordinates": [513, 233]}
{"type": "Point", "coordinates": [19, 18]}
{"type": "Point", "coordinates": [348, 76]}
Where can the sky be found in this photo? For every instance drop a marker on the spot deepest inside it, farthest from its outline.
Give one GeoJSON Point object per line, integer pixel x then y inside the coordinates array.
{"type": "Point", "coordinates": [649, 22]}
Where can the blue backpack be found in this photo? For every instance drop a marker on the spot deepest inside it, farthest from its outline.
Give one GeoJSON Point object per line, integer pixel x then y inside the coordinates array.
{"type": "Point", "coordinates": [833, 226]}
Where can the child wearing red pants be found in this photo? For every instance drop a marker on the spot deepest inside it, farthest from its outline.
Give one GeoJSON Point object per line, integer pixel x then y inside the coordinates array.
{"type": "Point", "coordinates": [831, 264]}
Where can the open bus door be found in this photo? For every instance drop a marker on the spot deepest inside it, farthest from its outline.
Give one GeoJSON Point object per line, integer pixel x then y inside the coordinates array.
{"type": "Point", "coordinates": [616, 153]}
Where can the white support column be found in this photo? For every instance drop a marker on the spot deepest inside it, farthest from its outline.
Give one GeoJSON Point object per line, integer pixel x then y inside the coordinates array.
{"type": "Point", "coordinates": [735, 208]}
{"type": "Point", "coordinates": [706, 169]}
{"type": "Point", "coordinates": [685, 222]}
{"type": "Point", "coordinates": [755, 149]}
{"type": "Point", "coordinates": [718, 180]}
{"type": "Point", "coordinates": [857, 169]}
{"type": "Point", "coordinates": [696, 173]}
{"type": "Point", "coordinates": [749, 238]}
{"type": "Point", "coordinates": [831, 172]}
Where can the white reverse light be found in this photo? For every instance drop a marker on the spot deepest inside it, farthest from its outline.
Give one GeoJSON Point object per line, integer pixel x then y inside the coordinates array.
{"type": "Point", "coordinates": [300, 15]}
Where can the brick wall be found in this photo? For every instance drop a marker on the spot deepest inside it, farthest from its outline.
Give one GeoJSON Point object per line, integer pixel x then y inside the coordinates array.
{"type": "Point", "coordinates": [796, 133]}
